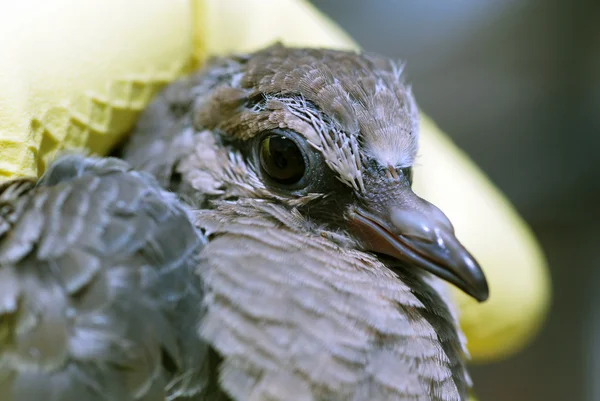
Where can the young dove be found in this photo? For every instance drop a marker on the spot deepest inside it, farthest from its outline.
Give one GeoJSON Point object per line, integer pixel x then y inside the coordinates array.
{"type": "Point", "coordinates": [296, 263]}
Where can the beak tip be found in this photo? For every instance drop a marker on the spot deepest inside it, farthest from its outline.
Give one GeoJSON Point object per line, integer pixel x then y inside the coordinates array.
{"type": "Point", "coordinates": [474, 283]}
{"type": "Point", "coordinates": [481, 294]}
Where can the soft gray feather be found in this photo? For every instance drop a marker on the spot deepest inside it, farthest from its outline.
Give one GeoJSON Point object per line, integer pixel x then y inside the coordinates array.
{"type": "Point", "coordinates": [98, 296]}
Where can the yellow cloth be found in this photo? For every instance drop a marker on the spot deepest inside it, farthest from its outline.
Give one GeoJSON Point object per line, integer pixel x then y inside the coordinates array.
{"type": "Point", "coordinates": [75, 74]}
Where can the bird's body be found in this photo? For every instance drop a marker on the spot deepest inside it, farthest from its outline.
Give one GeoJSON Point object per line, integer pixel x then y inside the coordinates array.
{"type": "Point", "coordinates": [291, 268]}
{"type": "Point", "coordinates": [97, 277]}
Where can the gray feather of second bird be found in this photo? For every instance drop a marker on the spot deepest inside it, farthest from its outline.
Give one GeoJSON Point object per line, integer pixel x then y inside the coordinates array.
{"type": "Point", "coordinates": [112, 288]}
{"type": "Point", "coordinates": [97, 287]}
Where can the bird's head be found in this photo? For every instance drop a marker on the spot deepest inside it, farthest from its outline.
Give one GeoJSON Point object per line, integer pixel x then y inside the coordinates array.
{"type": "Point", "coordinates": [333, 136]}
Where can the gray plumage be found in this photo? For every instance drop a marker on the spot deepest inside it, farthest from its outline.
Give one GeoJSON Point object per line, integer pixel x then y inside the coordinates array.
{"type": "Point", "coordinates": [257, 284]}
{"type": "Point", "coordinates": [97, 287]}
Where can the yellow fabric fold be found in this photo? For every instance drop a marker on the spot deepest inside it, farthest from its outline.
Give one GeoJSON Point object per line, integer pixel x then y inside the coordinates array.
{"type": "Point", "coordinates": [76, 74]}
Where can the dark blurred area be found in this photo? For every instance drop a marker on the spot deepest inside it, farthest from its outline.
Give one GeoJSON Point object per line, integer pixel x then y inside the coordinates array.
{"type": "Point", "coordinates": [516, 84]}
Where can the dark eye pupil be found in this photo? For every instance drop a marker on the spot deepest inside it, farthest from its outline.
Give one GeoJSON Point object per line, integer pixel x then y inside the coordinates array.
{"type": "Point", "coordinates": [281, 159]}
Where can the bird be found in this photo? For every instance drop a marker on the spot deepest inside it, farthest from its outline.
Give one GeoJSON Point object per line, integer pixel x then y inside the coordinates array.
{"type": "Point", "coordinates": [257, 238]}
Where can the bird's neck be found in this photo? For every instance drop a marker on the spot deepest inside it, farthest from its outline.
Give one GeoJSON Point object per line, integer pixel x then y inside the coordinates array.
{"type": "Point", "coordinates": [260, 245]}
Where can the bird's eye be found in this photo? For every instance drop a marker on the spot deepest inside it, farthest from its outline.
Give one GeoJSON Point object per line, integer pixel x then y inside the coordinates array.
{"type": "Point", "coordinates": [281, 159]}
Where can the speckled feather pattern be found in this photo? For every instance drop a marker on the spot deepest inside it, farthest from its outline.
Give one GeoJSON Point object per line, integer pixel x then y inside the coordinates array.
{"type": "Point", "coordinates": [363, 93]}
{"type": "Point", "coordinates": [355, 94]}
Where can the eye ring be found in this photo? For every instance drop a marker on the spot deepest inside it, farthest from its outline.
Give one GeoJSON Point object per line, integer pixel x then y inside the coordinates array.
{"type": "Point", "coordinates": [281, 158]}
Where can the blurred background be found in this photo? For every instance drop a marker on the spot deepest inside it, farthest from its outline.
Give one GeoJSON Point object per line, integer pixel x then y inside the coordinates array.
{"type": "Point", "coordinates": [516, 84]}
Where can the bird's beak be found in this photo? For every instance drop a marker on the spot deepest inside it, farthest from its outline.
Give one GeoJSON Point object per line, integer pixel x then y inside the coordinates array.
{"type": "Point", "coordinates": [414, 231]}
